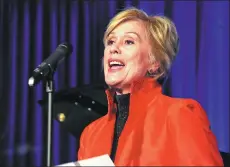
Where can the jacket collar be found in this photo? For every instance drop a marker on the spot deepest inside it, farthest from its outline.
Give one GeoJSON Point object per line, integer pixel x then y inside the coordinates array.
{"type": "Point", "coordinates": [145, 85]}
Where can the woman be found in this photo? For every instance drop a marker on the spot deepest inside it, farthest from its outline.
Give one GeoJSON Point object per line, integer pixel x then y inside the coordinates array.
{"type": "Point", "coordinates": [143, 126]}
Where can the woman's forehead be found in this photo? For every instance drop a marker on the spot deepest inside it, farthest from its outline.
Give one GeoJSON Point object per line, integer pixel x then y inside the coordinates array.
{"type": "Point", "coordinates": [131, 27]}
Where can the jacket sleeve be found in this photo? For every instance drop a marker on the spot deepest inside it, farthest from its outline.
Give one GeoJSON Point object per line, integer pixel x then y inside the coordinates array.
{"type": "Point", "coordinates": [193, 142]}
{"type": "Point", "coordinates": [81, 151]}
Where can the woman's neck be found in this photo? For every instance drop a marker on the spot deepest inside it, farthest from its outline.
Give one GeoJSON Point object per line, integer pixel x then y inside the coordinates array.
{"type": "Point", "coordinates": [122, 91]}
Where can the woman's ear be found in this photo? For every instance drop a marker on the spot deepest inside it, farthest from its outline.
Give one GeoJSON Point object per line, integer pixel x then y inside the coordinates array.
{"type": "Point", "coordinates": [154, 68]}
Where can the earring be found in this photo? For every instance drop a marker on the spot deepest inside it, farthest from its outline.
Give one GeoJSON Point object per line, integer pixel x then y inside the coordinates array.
{"type": "Point", "coordinates": [150, 73]}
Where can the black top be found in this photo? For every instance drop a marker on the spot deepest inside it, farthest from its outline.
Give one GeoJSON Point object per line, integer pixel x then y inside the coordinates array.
{"type": "Point", "coordinates": [122, 113]}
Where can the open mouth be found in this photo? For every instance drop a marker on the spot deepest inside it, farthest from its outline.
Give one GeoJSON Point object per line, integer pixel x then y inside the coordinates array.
{"type": "Point", "coordinates": [115, 64]}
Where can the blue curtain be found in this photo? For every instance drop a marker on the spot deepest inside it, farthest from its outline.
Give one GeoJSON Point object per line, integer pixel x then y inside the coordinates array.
{"type": "Point", "coordinates": [31, 30]}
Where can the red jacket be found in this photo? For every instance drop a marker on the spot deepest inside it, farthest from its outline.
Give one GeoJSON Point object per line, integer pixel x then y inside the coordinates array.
{"type": "Point", "coordinates": [160, 131]}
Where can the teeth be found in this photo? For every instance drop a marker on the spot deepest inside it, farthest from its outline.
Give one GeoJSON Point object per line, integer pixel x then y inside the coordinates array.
{"type": "Point", "coordinates": [115, 63]}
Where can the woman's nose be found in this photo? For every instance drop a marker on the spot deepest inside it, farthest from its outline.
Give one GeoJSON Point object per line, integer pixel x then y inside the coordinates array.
{"type": "Point", "coordinates": [115, 49]}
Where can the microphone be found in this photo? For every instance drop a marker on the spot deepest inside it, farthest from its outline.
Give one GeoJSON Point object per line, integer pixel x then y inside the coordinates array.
{"type": "Point", "coordinates": [49, 65]}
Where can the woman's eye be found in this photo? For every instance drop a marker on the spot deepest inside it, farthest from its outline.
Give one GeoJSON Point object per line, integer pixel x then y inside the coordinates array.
{"type": "Point", "coordinates": [110, 42]}
{"type": "Point", "coordinates": [129, 42]}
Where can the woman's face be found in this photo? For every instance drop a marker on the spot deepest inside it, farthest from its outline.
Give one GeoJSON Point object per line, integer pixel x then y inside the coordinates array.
{"type": "Point", "coordinates": [126, 55]}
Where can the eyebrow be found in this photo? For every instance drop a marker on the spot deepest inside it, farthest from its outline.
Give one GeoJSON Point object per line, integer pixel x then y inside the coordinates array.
{"type": "Point", "coordinates": [130, 32]}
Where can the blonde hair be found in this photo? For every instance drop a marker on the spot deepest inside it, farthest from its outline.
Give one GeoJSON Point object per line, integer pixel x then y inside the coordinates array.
{"type": "Point", "coordinates": [161, 32]}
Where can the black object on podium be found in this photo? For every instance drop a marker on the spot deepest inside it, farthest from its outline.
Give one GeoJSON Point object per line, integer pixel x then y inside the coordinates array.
{"type": "Point", "coordinates": [75, 108]}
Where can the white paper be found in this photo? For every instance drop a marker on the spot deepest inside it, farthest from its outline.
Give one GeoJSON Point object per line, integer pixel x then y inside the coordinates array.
{"type": "Point", "coordinates": [103, 160]}
{"type": "Point", "coordinates": [67, 164]}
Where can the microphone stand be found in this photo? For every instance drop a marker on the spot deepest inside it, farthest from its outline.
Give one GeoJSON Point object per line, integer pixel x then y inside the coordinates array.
{"type": "Point", "coordinates": [50, 92]}
{"type": "Point", "coordinates": [46, 71]}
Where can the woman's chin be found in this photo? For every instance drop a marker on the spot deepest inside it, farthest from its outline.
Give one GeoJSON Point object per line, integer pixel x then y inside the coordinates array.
{"type": "Point", "coordinates": [113, 82]}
